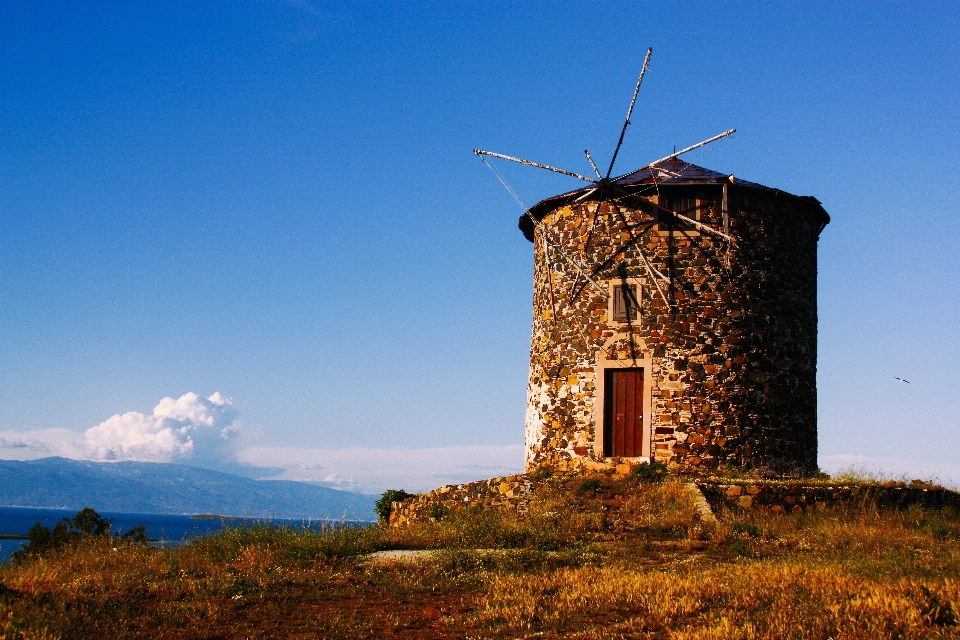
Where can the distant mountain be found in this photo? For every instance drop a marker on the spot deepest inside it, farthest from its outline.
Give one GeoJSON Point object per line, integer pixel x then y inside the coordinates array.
{"type": "Point", "coordinates": [148, 487]}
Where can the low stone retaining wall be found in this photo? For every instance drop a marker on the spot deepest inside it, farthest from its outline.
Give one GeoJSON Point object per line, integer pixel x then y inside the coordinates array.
{"type": "Point", "coordinates": [509, 493]}
{"type": "Point", "coordinates": [513, 493]}
{"type": "Point", "coordinates": [793, 497]}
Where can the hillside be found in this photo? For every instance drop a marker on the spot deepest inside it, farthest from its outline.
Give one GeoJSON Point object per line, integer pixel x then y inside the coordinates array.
{"type": "Point", "coordinates": [145, 487]}
{"type": "Point", "coordinates": [592, 557]}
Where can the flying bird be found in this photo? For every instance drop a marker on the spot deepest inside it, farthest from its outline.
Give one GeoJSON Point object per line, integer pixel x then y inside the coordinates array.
{"type": "Point", "coordinates": [901, 379]}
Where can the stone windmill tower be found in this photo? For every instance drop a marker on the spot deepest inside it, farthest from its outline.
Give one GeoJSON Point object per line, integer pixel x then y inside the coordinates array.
{"type": "Point", "coordinates": [675, 319]}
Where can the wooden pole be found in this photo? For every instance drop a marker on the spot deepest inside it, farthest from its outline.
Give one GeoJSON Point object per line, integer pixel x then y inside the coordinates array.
{"type": "Point", "coordinates": [633, 101]}
{"type": "Point", "coordinates": [481, 152]}
{"type": "Point", "coordinates": [725, 211]}
{"type": "Point", "coordinates": [593, 164]}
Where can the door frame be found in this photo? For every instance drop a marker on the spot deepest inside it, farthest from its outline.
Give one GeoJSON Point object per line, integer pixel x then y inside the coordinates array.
{"type": "Point", "coordinates": [645, 362]}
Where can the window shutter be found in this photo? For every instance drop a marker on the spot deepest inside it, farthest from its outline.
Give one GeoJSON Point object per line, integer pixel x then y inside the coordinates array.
{"type": "Point", "coordinates": [625, 303]}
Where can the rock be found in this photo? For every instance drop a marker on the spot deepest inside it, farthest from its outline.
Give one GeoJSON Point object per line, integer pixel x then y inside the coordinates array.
{"type": "Point", "coordinates": [593, 465]}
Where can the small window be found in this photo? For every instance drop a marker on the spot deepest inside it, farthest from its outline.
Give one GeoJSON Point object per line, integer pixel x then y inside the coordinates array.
{"type": "Point", "coordinates": [685, 206]}
{"type": "Point", "coordinates": [626, 303]}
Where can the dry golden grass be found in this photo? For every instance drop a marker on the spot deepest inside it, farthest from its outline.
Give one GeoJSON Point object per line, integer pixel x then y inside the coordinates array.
{"type": "Point", "coordinates": [603, 559]}
{"type": "Point", "coordinates": [780, 599]}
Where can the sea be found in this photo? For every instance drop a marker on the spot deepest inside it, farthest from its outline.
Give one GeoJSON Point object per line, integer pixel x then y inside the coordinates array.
{"type": "Point", "coordinates": [163, 529]}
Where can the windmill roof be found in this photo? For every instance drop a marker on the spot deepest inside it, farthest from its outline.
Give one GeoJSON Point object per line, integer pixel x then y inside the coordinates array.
{"type": "Point", "coordinates": [673, 172]}
{"type": "Point", "coordinates": [676, 170]}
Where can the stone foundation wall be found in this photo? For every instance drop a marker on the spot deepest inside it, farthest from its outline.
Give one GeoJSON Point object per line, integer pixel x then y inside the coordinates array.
{"type": "Point", "coordinates": [788, 497]}
{"type": "Point", "coordinates": [512, 493]}
{"type": "Point", "coordinates": [509, 493]}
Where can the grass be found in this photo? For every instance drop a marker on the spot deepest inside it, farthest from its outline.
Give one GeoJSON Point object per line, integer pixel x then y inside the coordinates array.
{"type": "Point", "coordinates": [609, 558]}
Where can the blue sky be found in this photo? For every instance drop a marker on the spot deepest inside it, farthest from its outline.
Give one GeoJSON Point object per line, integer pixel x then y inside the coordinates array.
{"type": "Point", "coordinates": [277, 201]}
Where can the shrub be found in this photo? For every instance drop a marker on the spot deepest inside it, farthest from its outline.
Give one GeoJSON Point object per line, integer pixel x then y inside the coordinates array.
{"type": "Point", "coordinates": [589, 484]}
{"type": "Point", "coordinates": [86, 523]}
{"type": "Point", "coordinates": [388, 498]}
{"type": "Point", "coordinates": [89, 522]}
{"type": "Point", "coordinates": [739, 548]}
{"type": "Point", "coordinates": [137, 535]}
{"type": "Point", "coordinates": [747, 528]}
{"type": "Point", "coordinates": [437, 511]}
{"type": "Point", "coordinates": [944, 531]}
{"type": "Point", "coordinates": [651, 473]}
{"type": "Point", "coordinates": [542, 473]}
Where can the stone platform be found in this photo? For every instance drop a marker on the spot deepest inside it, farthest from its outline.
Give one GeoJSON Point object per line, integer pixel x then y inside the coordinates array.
{"type": "Point", "coordinates": [773, 496]}
{"type": "Point", "coordinates": [510, 493]}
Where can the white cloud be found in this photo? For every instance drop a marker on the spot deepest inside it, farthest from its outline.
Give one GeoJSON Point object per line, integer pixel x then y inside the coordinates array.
{"type": "Point", "coordinates": [189, 429]}
{"type": "Point", "coordinates": [43, 443]}
{"type": "Point", "coordinates": [376, 470]}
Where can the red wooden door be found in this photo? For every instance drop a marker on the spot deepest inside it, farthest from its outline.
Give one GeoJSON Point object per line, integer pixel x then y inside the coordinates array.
{"type": "Point", "coordinates": [623, 430]}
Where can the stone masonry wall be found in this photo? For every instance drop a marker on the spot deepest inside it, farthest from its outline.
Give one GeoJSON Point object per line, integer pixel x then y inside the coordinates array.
{"type": "Point", "coordinates": [513, 493]}
{"type": "Point", "coordinates": [733, 362]}
{"type": "Point", "coordinates": [774, 497]}
{"type": "Point", "coordinates": [510, 493]}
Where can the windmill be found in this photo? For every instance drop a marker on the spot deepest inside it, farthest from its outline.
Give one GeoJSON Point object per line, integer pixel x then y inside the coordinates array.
{"type": "Point", "coordinates": [721, 369]}
{"type": "Point", "coordinates": [605, 189]}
